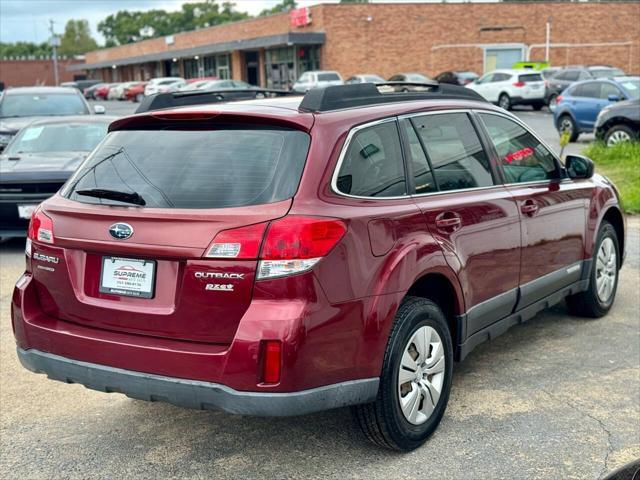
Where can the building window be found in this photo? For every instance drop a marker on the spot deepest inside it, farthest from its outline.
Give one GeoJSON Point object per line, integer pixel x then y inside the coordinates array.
{"type": "Point", "coordinates": [209, 66]}
{"type": "Point", "coordinates": [224, 67]}
{"type": "Point", "coordinates": [308, 58]}
{"type": "Point", "coordinates": [280, 67]}
{"type": "Point", "coordinates": [190, 68]}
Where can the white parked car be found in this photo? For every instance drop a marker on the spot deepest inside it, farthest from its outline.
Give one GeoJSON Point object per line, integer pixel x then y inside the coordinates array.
{"type": "Point", "coordinates": [317, 79]}
{"type": "Point", "coordinates": [163, 85]}
{"type": "Point", "coordinates": [507, 88]}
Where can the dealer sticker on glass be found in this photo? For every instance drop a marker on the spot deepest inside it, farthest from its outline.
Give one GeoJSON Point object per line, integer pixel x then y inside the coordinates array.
{"type": "Point", "coordinates": [128, 277]}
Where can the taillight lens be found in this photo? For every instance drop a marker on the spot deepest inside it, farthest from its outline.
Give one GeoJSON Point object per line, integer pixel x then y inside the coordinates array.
{"type": "Point", "coordinates": [558, 98]}
{"type": "Point", "coordinates": [518, 84]}
{"type": "Point", "coordinates": [41, 227]}
{"type": "Point", "coordinates": [294, 244]}
{"type": "Point", "coordinates": [242, 243]}
{"type": "Point", "coordinates": [271, 361]}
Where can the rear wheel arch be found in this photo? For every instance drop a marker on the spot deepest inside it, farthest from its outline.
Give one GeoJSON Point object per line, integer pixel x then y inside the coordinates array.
{"type": "Point", "coordinates": [614, 217]}
{"type": "Point", "coordinates": [444, 292]}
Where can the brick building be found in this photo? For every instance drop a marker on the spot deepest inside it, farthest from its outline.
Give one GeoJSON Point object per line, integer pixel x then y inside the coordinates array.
{"type": "Point", "coordinates": [28, 73]}
{"type": "Point", "coordinates": [385, 38]}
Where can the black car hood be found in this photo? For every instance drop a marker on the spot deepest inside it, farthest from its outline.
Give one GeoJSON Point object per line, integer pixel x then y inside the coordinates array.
{"type": "Point", "coordinates": [31, 166]}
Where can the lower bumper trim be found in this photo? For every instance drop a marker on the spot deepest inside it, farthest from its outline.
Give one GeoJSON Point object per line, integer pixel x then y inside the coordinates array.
{"type": "Point", "coordinates": [198, 394]}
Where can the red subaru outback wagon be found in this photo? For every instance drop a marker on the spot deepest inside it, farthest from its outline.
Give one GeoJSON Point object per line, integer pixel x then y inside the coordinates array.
{"type": "Point", "coordinates": [284, 256]}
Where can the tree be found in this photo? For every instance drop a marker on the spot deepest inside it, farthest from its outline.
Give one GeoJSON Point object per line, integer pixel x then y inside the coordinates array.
{"type": "Point", "coordinates": [77, 39]}
{"type": "Point", "coordinates": [24, 49]}
{"type": "Point", "coordinates": [285, 6]}
{"type": "Point", "coordinates": [128, 27]}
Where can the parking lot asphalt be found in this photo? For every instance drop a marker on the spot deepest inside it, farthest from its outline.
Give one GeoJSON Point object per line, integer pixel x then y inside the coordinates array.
{"type": "Point", "coordinates": [557, 397]}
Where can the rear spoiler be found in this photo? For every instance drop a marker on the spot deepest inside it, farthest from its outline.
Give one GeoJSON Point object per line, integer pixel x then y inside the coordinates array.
{"type": "Point", "coordinates": [161, 101]}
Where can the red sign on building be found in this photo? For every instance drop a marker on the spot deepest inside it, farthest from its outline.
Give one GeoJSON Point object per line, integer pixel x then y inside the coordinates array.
{"type": "Point", "coordinates": [300, 17]}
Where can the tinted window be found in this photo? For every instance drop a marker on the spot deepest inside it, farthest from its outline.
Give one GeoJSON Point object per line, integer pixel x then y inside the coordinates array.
{"type": "Point", "coordinates": [67, 137]}
{"type": "Point", "coordinates": [571, 75]}
{"type": "Point", "coordinates": [587, 90]}
{"type": "Point", "coordinates": [500, 77]}
{"type": "Point", "coordinates": [372, 165]}
{"type": "Point", "coordinates": [454, 150]}
{"type": "Point", "coordinates": [423, 178]}
{"type": "Point", "coordinates": [606, 72]}
{"type": "Point", "coordinates": [37, 104]}
{"type": "Point", "coordinates": [397, 78]}
{"type": "Point", "coordinates": [228, 167]}
{"type": "Point", "coordinates": [328, 77]}
{"type": "Point", "coordinates": [523, 157]}
{"type": "Point", "coordinates": [610, 89]}
{"type": "Point", "coordinates": [530, 77]}
{"type": "Point", "coordinates": [632, 88]}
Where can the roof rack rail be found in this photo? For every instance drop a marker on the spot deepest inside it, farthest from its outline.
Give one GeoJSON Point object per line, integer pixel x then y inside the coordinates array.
{"type": "Point", "coordinates": [161, 101]}
{"type": "Point", "coordinates": [337, 97]}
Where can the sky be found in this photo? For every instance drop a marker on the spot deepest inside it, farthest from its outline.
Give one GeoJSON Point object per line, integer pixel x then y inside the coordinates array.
{"type": "Point", "coordinates": [28, 20]}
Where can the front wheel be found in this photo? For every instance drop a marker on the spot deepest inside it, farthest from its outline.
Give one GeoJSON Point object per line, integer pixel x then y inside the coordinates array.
{"type": "Point", "coordinates": [619, 134]}
{"type": "Point", "coordinates": [597, 300]}
{"type": "Point", "coordinates": [504, 101]}
{"type": "Point", "coordinates": [415, 380]}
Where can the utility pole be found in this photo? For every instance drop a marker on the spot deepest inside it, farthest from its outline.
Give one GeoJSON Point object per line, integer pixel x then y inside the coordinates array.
{"type": "Point", "coordinates": [55, 43]}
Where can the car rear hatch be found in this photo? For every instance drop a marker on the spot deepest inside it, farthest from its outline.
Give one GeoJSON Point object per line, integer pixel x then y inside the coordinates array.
{"type": "Point", "coordinates": [138, 260]}
{"type": "Point", "coordinates": [531, 85]}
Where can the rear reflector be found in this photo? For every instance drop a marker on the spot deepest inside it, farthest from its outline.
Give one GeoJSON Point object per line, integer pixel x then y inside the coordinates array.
{"type": "Point", "coordinates": [271, 361]}
{"type": "Point", "coordinates": [40, 227]}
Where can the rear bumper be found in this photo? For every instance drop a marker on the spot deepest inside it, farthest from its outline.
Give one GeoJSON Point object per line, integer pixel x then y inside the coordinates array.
{"type": "Point", "coordinates": [198, 394]}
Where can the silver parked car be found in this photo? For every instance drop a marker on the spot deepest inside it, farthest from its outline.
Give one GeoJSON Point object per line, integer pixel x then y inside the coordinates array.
{"type": "Point", "coordinates": [317, 79]}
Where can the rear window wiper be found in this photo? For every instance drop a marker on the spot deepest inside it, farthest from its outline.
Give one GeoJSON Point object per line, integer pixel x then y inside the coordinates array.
{"type": "Point", "coordinates": [126, 197]}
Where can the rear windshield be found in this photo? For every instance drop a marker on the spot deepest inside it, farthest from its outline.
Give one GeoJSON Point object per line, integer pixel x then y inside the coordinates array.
{"type": "Point", "coordinates": [328, 77]}
{"type": "Point", "coordinates": [606, 72]}
{"type": "Point", "coordinates": [42, 104]}
{"type": "Point", "coordinates": [226, 167]}
{"type": "Point", "coordinates": [530, 77]}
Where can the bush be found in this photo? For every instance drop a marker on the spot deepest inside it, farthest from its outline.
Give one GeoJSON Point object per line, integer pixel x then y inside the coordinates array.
{"type": "Point", "coordinates": [621, 164]}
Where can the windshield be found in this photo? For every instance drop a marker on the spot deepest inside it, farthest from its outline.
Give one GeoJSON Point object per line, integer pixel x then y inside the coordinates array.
{"type": "Point", "coordinates": [58, 138]}
{"type": "Point", "coordinates": [228, 167]}
{"type": "Point", "coordinates": [632, 87]}
{"type": "Point", "coordinates": [42, 104]}
{"type": "Point", "coordinates": [328, 77]}
{"type": "Point", "coordinates": [607, 72]}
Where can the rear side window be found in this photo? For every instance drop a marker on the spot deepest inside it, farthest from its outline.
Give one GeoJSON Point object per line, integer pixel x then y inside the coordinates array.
{"type": "Point", "coordinates": [530, 77]}
{"type": "Point", "coordinates": [454, 151]}
{"type": "Point", "coordinates": [587, 90]}
{"type": "Point", "coordinates": [226, 167]}
{"type": "Point", "coordinates": [328, 77]}
{"type": "Point", "coordinates": [373, 165]}
{"type": "Point", "coordinates": [522, 156]}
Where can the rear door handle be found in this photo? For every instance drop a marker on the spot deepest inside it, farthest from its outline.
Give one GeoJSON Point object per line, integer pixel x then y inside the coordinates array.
{"type": "Point", "coordinates": [448, 221]}
{"type": "Point", "coordinates": [529, 207]}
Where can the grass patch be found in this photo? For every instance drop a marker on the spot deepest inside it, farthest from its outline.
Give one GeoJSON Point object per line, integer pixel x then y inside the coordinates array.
{"type": "Point", "coordinates": [621, 164]}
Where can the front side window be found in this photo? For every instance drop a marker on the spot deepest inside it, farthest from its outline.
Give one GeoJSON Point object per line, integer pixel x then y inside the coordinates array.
{"type": "Point", "coordinates": [373, 165]}
{"type": "Point", "coordinates": [609, 90]}
{"type": "Point", "coordinates": [522, 157]}
{"type": "Point", "coordinates": [454, 151]}
{"type": "Point", "coordinates": [422, 174]}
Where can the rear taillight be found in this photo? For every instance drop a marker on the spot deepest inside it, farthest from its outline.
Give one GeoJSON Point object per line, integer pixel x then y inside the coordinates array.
{"type": "Point", "coordinates": [558, 98]}
{"type": "Point", "coordinates": [518, 84]}
{"type": "Point", "coordinates": [271, 361]}
{"type": "Point", "coordinates": [40, 227]}
{"type": "Point", "coordinates": [292, 244]}
{"type": "Point", "coordinates": [243, 243]}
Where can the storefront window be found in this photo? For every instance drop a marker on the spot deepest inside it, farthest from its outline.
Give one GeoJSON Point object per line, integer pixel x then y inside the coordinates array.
{"type": "Point", "coordinates": [224, 67]}
{"type": "Point", "coordinates": [209, 66]}
{"type": "Point", "coordinates": [191, 68]}
{"type": "Point", "coordinates": [217, 66]}
{"type": "Point", "coordinates": [308, 59]}
{"type": "Point", "coordinates": [284, 65]}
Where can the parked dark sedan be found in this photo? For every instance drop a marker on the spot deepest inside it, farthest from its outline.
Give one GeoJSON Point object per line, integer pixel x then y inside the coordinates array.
{"type": "Point", "coordinates": [38, 161]}
{"type": "Point", "coordinates": [21, 106]}
{"type": "Point", "coordinates": [457, 78]}
{"type": "Point", "coordinates": [619, 122]}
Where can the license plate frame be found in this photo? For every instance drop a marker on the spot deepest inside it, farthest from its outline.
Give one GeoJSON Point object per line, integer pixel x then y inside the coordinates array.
{"type": "Point", "coordinates": [129, 282]}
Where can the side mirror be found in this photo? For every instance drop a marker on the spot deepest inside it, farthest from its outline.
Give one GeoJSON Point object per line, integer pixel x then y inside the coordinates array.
{"type": "Point", "coordinates": [579, 167]}
{"type": "Point", "coordinates": [99, 109]}
{"type": "Point", "coordinates": [613, 98]}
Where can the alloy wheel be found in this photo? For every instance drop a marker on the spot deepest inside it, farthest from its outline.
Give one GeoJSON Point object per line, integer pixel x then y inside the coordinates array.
{"type": "Point", "coordinates": [504, 102]}
{"type": "Point", "coordinates": [421, 375]}
{"type": "Point", "coordinates": [606, 270]}
{"type": "Point", "coordinates": [566, 125]}
{"type": "Point", "coordinates": [618, 136]}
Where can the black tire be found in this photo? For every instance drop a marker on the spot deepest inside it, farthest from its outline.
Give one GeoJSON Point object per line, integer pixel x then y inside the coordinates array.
{"type": "Point", "coordinates": [504, 101]}
{"type": "Point", "coordinates": [616, 131]}
{"type": "Point", "coordinates": [588, 303]}
{"type": "Point", "coordinates": [567, 123]}
{"type": "Point", "coordinates": [551, 101]}
{"type": "Point", "coordinates": [382, 421]}
{"type": "Point", "coordinates": [538, 106]}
